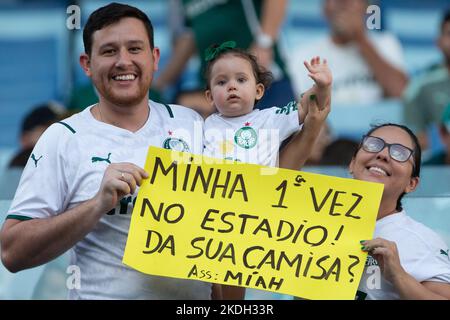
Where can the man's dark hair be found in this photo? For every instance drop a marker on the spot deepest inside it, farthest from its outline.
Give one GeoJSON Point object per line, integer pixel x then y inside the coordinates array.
{"type": "Point", "coordinates": [110, 14]}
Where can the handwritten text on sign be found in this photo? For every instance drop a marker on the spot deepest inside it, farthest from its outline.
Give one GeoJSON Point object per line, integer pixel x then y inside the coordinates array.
{"type": "Point", "coordinates": [292, 232]}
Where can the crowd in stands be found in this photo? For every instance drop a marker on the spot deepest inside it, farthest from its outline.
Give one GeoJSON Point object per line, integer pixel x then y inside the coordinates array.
{"type": "Point", "coordinates": [368, 66]}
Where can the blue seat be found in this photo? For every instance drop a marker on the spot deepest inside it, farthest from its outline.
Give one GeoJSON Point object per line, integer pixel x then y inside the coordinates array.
{"type": "Point", "coordinates": [417, 28]}
{"type": "Point", "coordinates": [352, 121]}
{"type": "Point", "coordinates": [9, 180]}
{"type": "Point", "coordinates": [33, 61]}
{"type": "Point", "coordinates": [31, 80]}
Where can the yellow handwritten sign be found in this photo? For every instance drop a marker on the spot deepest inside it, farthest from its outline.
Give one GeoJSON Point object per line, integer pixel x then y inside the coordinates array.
{"type": "Point", "coordinates": [292, 232]}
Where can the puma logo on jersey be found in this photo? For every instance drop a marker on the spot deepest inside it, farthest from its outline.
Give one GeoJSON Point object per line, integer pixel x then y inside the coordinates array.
{"type": "Point", "coordinates": [445, 253]}
{"type": "Point", "coordinates": [99, 159]}
{"type": "Point", "coordinates": [33, 157]}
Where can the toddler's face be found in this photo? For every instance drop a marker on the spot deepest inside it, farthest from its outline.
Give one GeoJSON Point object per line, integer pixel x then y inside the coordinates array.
{"type": "Point", "coordinates": [233, 86]}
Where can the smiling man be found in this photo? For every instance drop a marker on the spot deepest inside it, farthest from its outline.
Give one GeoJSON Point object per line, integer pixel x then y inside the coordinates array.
{"type": "Point", "coordinates": [81, 194]}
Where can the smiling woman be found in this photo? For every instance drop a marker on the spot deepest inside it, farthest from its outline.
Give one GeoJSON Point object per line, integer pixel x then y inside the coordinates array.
{"type": "Point", "coordinates": [389, 154]}
{"type": "Point", "coordinates": [407, 259]}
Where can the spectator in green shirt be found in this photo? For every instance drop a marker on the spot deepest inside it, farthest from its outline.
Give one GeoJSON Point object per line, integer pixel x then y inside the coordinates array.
{"type": "Point", "coordinates": [443, 157]}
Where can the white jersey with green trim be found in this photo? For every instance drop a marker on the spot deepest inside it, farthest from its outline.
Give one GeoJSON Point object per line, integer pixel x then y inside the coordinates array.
{"type": "Point", "coordinates": [66, 168]}
{"type": "Point", "coordinates": [251, 138]}
{"type": "Point", "coordinates": [423, 254]}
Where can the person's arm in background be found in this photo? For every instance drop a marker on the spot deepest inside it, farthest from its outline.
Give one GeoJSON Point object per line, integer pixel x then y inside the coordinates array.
{"type": "Point", "coordinates": [233, 292]}
{"type": "Point", "coordinates": [227, 292]}
{"type": "Point", "coordinates": [183, 47]}
{"type": "Point", "coordinates": [182, 50]}
{"type": "Point", "coordinates": [415, 111]}
{"type": "Point", "coordinates": [272, 18]}
{"type": "Point", "coordinates": [391, 79]}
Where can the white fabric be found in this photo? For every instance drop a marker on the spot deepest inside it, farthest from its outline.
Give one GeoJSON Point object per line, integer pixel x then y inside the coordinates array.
{"type": "Point", "coordinates": [272, 126]}
{"type": "Point", "coordinates": [421, 255]}
{"type": "Point", "coordinates": [67, 174]}
{"type": "Point", "coordinates": [353, 81]}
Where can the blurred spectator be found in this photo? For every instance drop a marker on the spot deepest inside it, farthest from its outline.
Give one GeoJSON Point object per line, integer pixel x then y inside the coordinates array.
{"type": "Point", "coordinates": [443, 157]}
{"type": "Point", "coordinates": [253, 24]}
{"type": "Point", "coordinates": [324, 139]}
{"type": "Point", "coordinates": [82, 96]}
{"type": "Point", "coordinates": [339, 153]}
{"type": "Point", "coordinates": [366, 67]}
{"type": "Point", "coordinates": [427, 96]}
{"type": "Point", "coordinates": [33, 125]}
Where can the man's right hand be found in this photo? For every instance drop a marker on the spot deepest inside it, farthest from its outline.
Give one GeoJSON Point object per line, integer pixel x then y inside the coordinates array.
{"type": "Point", "coordinates": [118, 180]}
{"type": "Point", "coordinates": [27, 244]}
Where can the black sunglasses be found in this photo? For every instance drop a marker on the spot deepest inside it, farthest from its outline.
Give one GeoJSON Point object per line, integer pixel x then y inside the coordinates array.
{"type": "Point", "coordinates": [397, 151]}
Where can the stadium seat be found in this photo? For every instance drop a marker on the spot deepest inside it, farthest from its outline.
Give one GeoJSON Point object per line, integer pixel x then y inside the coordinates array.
{"type": "Point", "coordinates": [352, 121]}
{"type": "Point", "coordinates": [33, 60]}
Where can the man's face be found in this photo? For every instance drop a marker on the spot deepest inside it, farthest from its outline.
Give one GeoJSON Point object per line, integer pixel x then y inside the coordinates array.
{"type": "Point", "coordinates": [444, 41]}
{"type": "Point", "coordinates": [333, 7]}
{"type": "Point", "coordinates": [338, 12]}
{"type": "Point", "coordinates": [122, 63]}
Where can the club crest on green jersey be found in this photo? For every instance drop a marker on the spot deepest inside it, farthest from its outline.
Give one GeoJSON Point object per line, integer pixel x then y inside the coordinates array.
{"type": "Point", "coordinates": [246, 137]}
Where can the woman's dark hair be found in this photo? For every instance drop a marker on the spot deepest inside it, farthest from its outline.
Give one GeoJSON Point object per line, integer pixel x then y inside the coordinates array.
{"type": "Point", "coordinates": [110, 14]}
{"type": "Point", "coordinates": [417, 152]}
{"type": "Point", "coordinates": [261, 74]}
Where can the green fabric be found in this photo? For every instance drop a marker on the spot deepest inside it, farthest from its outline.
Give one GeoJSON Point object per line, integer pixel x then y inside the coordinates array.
{"type": "Point", "coordinates": [67, 126]}
{"type": "Point", "coordinates": [169, 110]}
{"type": "Point", "coordinates": [17, 217]}
{"type": "Point", "coordinates": [82, 96]}
{"type": "Point", "coordinates": [215, 22]}
{"type": "Point", "coordinates": [425, 99]}
{"type": "Point", "coordinates": [446, 117]}
{"type": "Point", "coordinates": [438, 159]}
{"type": "Point", "coordinates": [213, 51]}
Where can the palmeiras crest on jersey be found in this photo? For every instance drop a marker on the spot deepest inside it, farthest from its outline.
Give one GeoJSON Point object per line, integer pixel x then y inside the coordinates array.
{"type": "Point", "coordinates": [175, 144]}
{"type": "Point", "coordinates": [246, 137]}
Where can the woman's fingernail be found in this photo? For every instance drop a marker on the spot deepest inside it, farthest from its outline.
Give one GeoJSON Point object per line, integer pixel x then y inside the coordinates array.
{"type": "Point", "coordinates": [361, 241]}
{"type": "Point", "coordinates": [363, 248]}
